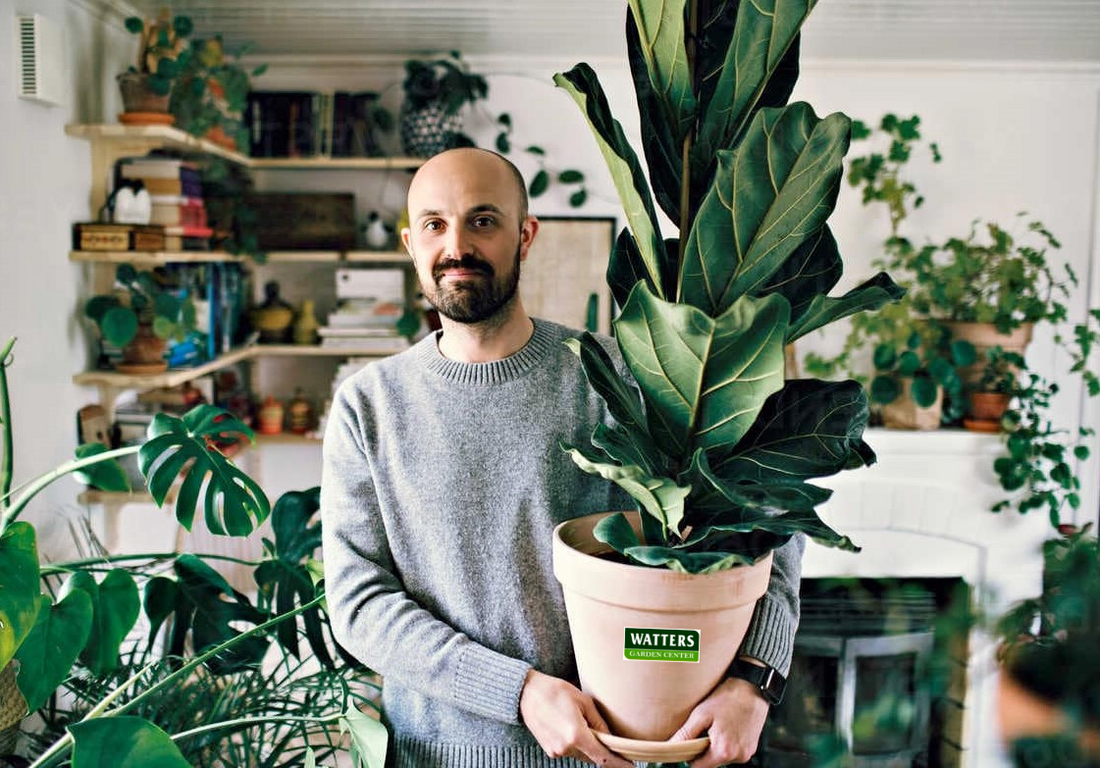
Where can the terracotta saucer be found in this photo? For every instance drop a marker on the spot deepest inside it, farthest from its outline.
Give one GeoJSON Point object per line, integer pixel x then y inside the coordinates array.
{"type": "Point", "coordinates": [141, 369]}
{"type": "Point", "coordinates": [982, 425]}
{"type": "Point", "coordinates": [654, 751]}
{"type": "Point", "coordinates": [146, 118]}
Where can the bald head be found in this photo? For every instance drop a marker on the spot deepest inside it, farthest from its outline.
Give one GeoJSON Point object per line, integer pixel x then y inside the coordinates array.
{"type": "Point", "coordinates": [471, 163]}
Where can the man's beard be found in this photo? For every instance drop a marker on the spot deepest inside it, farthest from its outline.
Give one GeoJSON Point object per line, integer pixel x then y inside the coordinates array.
{"type": "Point", "coordinates": [475, 299]}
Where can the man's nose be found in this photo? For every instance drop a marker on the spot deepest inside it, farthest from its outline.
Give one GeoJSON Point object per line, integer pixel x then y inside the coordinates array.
{"type": "Point", "coordinates": [457, 242]}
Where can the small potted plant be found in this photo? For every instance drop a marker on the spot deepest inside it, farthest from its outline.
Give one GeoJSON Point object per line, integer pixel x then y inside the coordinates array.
{"type": "Point", "coordinates": [988, 398]}
{"type": "Point", "coordinates": [162, 54]}
{"type": "Point", "coordinates": [140, 319]}
{"type": "Point", "coordinates": [912, 379]}
{"type": "Point", "coordinates": [1050, 680]}
{"type": "Point", "coordinates": [211, 94]}
{"type": "Point", "coordinates": [435, 92]}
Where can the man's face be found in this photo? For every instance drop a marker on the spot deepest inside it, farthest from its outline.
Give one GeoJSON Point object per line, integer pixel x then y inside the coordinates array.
{"type": "Point", "coordinates": [467, 235]}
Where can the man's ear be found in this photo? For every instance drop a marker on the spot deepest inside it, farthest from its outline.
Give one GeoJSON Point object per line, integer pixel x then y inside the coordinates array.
{"type": "Point", "coordinates": [406, 236]}
{"type": "Point", "coordinates": [527, 232]}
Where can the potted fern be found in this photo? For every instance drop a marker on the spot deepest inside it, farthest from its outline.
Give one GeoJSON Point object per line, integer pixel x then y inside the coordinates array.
{"type": "Point", "coordinates": [719, 451]}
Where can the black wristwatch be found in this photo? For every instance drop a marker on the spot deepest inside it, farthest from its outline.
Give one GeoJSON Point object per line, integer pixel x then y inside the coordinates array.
{"type": "Point", "coordinates": [771, 684]}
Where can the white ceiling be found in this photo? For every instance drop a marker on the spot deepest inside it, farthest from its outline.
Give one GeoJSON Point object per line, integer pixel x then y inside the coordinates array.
{"type": "Point", "coordinates": [952, 30]}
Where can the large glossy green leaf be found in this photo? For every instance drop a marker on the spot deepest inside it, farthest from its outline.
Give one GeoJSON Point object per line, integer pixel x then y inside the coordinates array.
{"type": "Point", "coordinates": [115, 608]}
{"type": "Point", "coordinates": [663, 152]}
{"type": "Point", "coordinates": [283, 578]}
{"type": "Point", "coordinates": [657, 496]}
{"type": "Point", "coordinates": [123, 742]}
{"type": "Point", "coordinates": [625, 268]}
{"type": "Point", "coordinates": [369, 740]}
{"type": "Point", "coordinates": [232, 501]}
{"type": "Point", "coordinates": [54, 644]}
{"type": "Point", "coordinates": [19, 588]}
{"type": "Point", "coordinates": [203, 603]}
{"type": "Point", "coordinates": [762, 33]}
{"type": "Point", "coordinates": [660, 27]}
{"type": "Point", "coordinates": [736, 497]}
{"type": "Point", "coordinates": [872, 294]}
{"type": "Point", "coordinates": [703, 379]}
{"type": "Point", "coordinates": [745, 549]}
{"type": "Point", "coordinates": [810, 428]}
{"type": "Point", "coordinates": [813, 269]}
{"type": "Point", "coordinates": [769, 195]}
{"type": "Point", "coordinates": [106, 475]}
{"type": "Point", "coordinates": [583, 86]}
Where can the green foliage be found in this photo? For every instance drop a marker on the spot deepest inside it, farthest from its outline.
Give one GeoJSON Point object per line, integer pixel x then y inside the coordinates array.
{"type": "Point", "coordinates": [1049, 642]}
{"type": "Point", "coordinates": [124, 742]}
{"type": "Point", "coordinates": [141, 299]}
{"type": "Point", "coordinates": [447, 80]}
{"type": "Point", "coordinates": [212, 92]}
{"type": "Point", "coordinates": [930, 360]}
{"type": "Point", "coordinates": [163, 51]}
{"type": "Point", "coordinates": [719, 454]}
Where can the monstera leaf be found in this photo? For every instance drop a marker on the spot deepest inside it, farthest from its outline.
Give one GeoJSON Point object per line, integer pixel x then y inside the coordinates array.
{"type": "Point", "coordinates": [284, 577]}
{"type": "Point", "coordinates": [115, 608]}
{"type": "Point", "coordinates": [203, 603]}
{"type": "Point", "coordinates": [233, 502]}
{"type": "Point", "coordinates": [107, 475]}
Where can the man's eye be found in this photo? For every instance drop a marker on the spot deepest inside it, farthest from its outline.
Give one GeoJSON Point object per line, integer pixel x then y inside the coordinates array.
{"type": "Point", "coordinates": [433, 225]}
{"type": "Point", "coordinates": [483, 221]}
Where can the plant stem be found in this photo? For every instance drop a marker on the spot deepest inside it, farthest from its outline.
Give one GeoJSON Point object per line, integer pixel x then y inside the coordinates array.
{"type": "Point", "coordinates": [40, 482]}
{"type": "Point", "coordinates": [72, 565]}
{"type": "Point", "coordinates": [253, 721]}
{"type": "Point", "coordinates": [5, 419]}
{"type": "Point", "coordinates": [685, 156]}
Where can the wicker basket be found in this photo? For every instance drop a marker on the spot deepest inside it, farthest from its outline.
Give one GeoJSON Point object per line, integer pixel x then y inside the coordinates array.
{"type": "Point", "coordinates": [12, 709]}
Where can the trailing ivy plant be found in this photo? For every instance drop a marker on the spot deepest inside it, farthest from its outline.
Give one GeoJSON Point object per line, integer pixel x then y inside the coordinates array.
{"type": "Point", "coordinates": [719, 452]}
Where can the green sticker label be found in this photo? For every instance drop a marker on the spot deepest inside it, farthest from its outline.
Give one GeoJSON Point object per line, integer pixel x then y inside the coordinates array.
{"type": "Point", "coordinates": [661, 644]}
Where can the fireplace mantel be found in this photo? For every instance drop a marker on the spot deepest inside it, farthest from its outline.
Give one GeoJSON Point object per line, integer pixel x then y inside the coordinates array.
{"type": "Point", "coordinates": [923, 511]}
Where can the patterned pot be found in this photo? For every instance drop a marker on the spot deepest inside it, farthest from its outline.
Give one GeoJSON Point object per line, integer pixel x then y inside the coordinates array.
{"type": "Point", "coordinates": [429, 130]}
{"type": "Point", "coordinates": [138, 99]}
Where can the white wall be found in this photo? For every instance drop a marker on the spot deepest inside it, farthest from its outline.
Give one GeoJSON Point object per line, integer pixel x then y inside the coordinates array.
{"type": "Point", "coordinates": [1014, 137]}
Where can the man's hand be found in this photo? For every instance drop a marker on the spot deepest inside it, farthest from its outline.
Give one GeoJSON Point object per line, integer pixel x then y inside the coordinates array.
{"type": "Point", "coordinates": [559, 716]}
{"type": "Point", "coordinates": [733, 716]}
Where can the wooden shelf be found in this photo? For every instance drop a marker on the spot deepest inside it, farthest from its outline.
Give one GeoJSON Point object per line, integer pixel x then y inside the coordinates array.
{"type": "Point", "coordinates": [336, 163]}
{"type": "Point", "coordinates": [171, 378]}
{"type": "Point", "coordinates": [306, 350]}
{"type": "Point", "coordinates": [301, 257]}
{"type": "Point", "coordinates": [288, 438]}
{"type": "Point", "coordinates": [377, 257]}
{"type": "Point", "coordinates": [156, 136]}
{"type": "Point", "coordinates": [152, 258]}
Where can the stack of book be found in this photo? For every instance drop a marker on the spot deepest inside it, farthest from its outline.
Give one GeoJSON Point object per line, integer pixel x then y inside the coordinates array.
{"type": "Point", "coordinates": [175, 187]}
{"type": "Point", "coordinates": [370, 302]}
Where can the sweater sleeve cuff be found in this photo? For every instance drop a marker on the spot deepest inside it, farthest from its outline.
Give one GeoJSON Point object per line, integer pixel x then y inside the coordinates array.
{"type": "Point", "coordinates": [770, 637]}
{"type": "Point", "coordinates": [489, 683]}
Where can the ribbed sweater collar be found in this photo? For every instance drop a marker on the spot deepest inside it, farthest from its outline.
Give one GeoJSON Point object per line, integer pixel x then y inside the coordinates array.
{"type": "Point", "coordinates": [494, 372]}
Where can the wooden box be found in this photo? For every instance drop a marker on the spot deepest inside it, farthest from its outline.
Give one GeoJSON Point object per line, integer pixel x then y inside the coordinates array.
{"type": "Point", "coordinates": [305, 221]}
{"type": "Point", "coordinates": [93, 236]}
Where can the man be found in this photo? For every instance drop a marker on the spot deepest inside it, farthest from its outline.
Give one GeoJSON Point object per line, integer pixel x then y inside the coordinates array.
{"type": "Point", "coordinates": [442, 483]}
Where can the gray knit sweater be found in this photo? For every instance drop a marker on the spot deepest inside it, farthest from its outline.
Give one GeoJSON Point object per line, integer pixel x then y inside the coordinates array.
{"type": "Point", "coordinates": [442, 483]}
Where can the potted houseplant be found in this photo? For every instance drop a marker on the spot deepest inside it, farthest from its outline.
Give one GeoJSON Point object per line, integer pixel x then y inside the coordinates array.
{"type": "Point", "coordinates": [211, 94]}
{"type": "Point", "coordinates": [718, 452]}
{"type": "Point", "coordinates": [911, 379]}
{"type": "Point", "coordinates": [162, 53]}
{"type": "Point", "coordinates": [988, 399]}
{"type": "Point", "coordinates": [435, 92]}
{"type": "Point", "coordinates": [110, 696]}
{"type": "Point", "coordinates": [1050, 680]}
{"type": "Point", "coordinates": [142, 319]}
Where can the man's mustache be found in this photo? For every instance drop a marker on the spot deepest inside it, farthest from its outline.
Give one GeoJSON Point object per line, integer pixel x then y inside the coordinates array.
{"type": "Point", "coordinates": [471, 263]}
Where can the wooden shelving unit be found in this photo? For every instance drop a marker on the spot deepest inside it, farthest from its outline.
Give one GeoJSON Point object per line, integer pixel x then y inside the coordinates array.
{"type": "Point", "coordinates": [302, 350]}
{"type": "Point", "coordinates": [336, 163]}
{"type": "Point", "coordinates": [152, 258]}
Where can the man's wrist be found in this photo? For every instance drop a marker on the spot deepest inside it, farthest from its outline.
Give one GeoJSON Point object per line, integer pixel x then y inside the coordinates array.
{"type": "Point", "coordinates": [767, 680]}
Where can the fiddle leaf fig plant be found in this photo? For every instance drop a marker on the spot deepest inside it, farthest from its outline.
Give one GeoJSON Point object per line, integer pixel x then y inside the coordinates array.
{"type": "Point", "coordinates": [719, 450]}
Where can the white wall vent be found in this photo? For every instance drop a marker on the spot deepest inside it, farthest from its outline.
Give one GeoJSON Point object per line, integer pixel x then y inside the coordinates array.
{"type": "Point", "coordinates": [40, 48]}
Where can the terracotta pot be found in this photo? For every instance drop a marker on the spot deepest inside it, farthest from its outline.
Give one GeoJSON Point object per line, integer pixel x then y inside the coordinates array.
{"type": "Point", "coordinates": [904, 413]}
{"type": "Point", "coordinates": [985, 411]}
{"type": "Point", "coordinates": [648, 693]}
{"type": "Point", "coordinates": [137, 98]}
{"type": "Point", "coordinates": [1022, 714]}
{"type": "Point", "coordinates": [984, 337]}
{"type": "Point", "coordinates": [145, 354]}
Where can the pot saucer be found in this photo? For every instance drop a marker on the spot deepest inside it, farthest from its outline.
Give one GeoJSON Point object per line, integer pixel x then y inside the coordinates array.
{"type": "Point", "coordinates": [141, 369]}
{"type": "Point", "coordinates": [654, 751]}
{"type": "Point", "coordinates": [146, 118]}
{"type": "Point", "coordinates": [982, 425]}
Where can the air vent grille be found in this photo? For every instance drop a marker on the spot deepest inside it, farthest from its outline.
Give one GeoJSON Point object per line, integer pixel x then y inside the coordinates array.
{"type": "Point", "coordinates": [29, 83]}
{"type": "Point", "coordinates": [41, 45]}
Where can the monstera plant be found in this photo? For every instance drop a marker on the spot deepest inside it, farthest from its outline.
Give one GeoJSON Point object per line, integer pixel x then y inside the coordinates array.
{"type": "Point", "coordinates": [108, 696]}
{"type": "Point", "coordinates": [720, 450]}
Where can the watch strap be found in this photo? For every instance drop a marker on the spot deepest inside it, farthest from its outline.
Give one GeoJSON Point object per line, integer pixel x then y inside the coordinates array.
{"type": "Point", "coordinates": [771, 683]}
